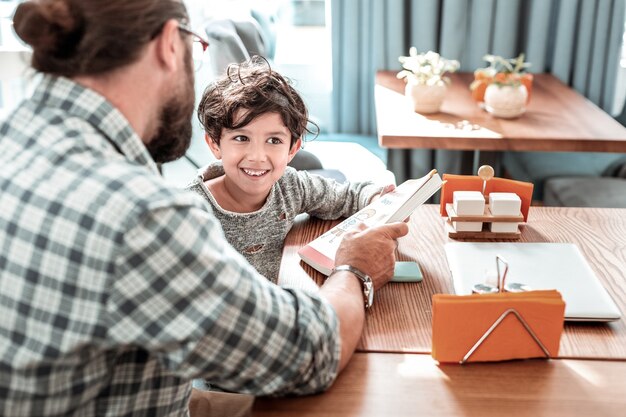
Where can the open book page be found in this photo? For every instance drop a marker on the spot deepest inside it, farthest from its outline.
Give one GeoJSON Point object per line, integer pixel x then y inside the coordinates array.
{"type": "Point", "coordinates": [391, 207]}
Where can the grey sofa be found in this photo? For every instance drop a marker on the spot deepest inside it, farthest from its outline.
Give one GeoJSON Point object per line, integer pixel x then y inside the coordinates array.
{"type": "Point", "coordinates": [572, 179]}
{"type": "Point", "coordinates": [585, 192]}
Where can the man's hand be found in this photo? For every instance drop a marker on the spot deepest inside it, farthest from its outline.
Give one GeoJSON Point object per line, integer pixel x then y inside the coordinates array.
{"type": "Point", "coordinates": [372, 251]}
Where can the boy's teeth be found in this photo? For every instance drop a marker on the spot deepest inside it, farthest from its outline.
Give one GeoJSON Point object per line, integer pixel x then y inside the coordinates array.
{"type": "Point", "coordinates": [254, 172]}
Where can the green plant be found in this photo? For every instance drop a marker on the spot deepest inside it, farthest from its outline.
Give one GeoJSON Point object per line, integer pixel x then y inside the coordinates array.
{"type": "Point", "coordinates": [506, 71]}
{"type": "Point", "coordinates": [428, 68]}
{"type": "Point", "coordinates": [501, 72]}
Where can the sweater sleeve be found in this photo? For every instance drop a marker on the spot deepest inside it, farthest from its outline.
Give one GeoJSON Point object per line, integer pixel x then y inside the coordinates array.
{"type": "Point", "coordinates": [325, 198]}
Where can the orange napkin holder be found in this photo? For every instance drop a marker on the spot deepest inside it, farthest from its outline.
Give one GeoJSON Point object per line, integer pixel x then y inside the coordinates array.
{"type": "Point", "coordinates": [497, 327]}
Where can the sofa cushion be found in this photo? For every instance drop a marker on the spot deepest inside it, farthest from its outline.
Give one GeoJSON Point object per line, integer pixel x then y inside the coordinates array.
{"type": "Point", "coordinates": [616, 169]}
{"type": "Point", "coordinates": [352, 159]}
{"type": "Point", "coordinates": [537, 167]}
{"type": "Point", "coordinates": [305, 160]}
{"type": "Point", "coordinates": [368, 142]}
{"type": "Point", "coordinates": [585, 192]}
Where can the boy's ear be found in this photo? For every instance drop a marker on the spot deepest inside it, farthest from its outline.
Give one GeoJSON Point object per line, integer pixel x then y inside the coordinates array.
{"type": "Point", "coordinates": [295, 148]}
{"type": "Point", "coordinates": [215, 148]}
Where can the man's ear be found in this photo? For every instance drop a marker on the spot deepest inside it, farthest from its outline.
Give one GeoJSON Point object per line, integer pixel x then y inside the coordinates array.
{"type": "Point", "coordinates": [169, 45]}
{"type": "Point", "coordinates": [295, 148]}
{"type": "Point", "coordinates": [215, 148]}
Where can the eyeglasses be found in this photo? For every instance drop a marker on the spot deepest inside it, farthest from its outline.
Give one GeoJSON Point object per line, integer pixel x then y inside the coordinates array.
{"type": "Point", "coordinates": [197, 39]}
{"type": "Point", "coordinates": [199, 46]}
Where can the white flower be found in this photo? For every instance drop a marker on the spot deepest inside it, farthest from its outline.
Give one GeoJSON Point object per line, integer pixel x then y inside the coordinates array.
{"type": "Point", "coordinates": [428, 68]}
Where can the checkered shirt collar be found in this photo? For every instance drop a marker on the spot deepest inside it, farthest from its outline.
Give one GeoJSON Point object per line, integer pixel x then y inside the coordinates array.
{"type": "Point", "coordinates": [87, 104]}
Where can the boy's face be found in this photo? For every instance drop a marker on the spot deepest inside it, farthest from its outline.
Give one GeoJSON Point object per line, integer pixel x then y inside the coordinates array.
{"type": "Point", "coordinates": [254, 156]}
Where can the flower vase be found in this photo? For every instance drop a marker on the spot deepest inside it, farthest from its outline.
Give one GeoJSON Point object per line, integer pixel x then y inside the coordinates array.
{"type": "Point", "coordinates": [506, 101]}
{"type": "Point", "coordinates": [425, 98]}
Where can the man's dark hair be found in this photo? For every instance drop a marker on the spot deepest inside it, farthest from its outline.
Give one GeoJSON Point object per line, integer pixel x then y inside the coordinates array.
{"type": "Point", "coordinates": [254, 87]}
{"type": "Point", "coordinates": [89, 37]}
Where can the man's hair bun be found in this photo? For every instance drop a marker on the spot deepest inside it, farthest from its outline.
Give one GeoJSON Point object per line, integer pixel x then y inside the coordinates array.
{"type": "Point", "coordinates": [48, 26]}
{"type": "Point", "coordinates": [79, 37]}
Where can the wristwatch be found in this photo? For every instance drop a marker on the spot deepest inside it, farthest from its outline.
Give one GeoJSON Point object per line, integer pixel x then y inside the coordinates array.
{"type": "Point", "coordinates": [366, 282]}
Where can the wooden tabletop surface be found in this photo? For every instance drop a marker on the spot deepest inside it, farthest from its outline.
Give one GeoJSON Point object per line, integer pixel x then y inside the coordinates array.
{"type": "Point", "coordinates": [557, 119]}
{"type": "Point", "coordinates": [399, 385]}
{"type": "Point", "coordinates": [400, 320]}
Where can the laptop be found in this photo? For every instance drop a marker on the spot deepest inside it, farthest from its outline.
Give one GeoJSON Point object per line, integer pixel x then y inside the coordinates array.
{"type": "Point", "coordinates": [540, 266]}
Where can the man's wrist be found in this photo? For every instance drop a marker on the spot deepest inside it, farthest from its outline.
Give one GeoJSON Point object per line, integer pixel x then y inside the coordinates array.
{"type": "Point", "coordinates": [366, 283]}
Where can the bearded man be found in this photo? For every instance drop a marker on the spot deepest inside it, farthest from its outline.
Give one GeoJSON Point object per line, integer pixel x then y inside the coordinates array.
{"type": "Point", "coordinates": [116, 290]}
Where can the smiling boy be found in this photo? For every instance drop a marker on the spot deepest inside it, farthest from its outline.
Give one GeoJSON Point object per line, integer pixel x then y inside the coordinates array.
{"type": "Point", "coordinates": [254, 157]}
{"type": "Point", "coordinates": [254, 122]}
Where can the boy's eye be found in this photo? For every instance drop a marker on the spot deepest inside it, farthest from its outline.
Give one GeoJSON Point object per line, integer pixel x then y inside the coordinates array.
{"type": "Point", "coordinates": [240, 138]}
{"type": "Point", "coordinates": [274, 141]}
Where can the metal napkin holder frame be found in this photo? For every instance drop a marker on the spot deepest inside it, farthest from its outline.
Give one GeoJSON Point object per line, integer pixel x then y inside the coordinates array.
{"type": "Point", "coordinates": [501, 288]}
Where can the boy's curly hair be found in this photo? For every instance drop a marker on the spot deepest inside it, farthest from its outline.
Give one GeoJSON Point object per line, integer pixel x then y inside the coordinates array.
{"type": "Point", "coordinates": [254, 87]}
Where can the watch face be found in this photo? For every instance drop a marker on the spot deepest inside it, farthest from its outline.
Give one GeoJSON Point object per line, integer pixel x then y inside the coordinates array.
{"type": "Point", "coordinates": [368, 290]}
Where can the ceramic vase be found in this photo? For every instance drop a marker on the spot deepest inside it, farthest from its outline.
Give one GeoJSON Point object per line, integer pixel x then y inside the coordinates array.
{"type": "Point", "coordinates": [506, 101]}
{"type": "Point", "coordinates": [425, 98]}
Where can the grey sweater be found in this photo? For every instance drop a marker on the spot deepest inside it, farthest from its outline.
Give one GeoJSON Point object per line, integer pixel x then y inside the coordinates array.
{"type": "Point", "coordinates": [260, 235]}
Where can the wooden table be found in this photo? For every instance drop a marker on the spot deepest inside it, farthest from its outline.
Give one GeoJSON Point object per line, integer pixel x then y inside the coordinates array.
{"type": "Point", "coordinates": [557, 119]}
{"type": "Point", "coordinates": [384, 384]}
{"type": "Point", "coordinates": [406, 381]}
{"type": "Point", "coordinates": [400, 320]}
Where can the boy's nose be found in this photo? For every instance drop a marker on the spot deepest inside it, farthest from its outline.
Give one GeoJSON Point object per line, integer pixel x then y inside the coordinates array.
{"type": "Point", "coordinates": [256, 152]}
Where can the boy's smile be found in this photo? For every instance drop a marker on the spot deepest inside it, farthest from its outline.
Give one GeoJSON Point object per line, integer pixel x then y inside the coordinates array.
{"type": "Point", "coordinates": [254, 158]}
{"type": "Point", "coordinates": [254, 173]}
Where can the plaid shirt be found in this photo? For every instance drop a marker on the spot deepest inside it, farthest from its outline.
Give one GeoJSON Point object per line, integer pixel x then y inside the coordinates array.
{"type": "Point", "coordinates": [116, 290]}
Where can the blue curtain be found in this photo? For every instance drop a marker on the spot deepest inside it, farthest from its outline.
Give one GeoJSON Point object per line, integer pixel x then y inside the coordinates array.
{"type": "Point", "coordinates": [576, 40]}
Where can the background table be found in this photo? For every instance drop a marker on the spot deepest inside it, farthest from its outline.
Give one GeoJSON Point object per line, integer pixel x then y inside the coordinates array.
{"type": "Point", "coordinates": [557, 119]}
{"type": "Point", "coordinates": [400, 320]}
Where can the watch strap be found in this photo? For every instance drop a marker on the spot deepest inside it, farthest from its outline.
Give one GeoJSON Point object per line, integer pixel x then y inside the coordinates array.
{"type": "Point", "coordinates": [366, 282]}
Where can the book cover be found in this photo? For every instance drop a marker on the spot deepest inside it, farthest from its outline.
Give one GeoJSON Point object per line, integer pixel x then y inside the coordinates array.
{"type": "Point", "coordinates": [391, 207]}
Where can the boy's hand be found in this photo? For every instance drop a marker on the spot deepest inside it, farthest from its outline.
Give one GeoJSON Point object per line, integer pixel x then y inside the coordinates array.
{"type": "Point", "coordinates": [372, 250]}
{"type": "Point", "coordinates": [384, 190]}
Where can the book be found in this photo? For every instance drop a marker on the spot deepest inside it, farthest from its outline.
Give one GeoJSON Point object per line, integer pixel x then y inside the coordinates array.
{"type": "Point", "coordinates": [395, 206]}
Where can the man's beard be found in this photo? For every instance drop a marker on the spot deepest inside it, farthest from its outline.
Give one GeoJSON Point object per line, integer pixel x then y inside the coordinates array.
{"type": "Point", "coordinates": [174, 134]}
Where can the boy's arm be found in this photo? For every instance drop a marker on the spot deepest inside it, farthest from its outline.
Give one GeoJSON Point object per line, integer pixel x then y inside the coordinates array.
{"type": "Point", "coordinates": [326, 198]}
